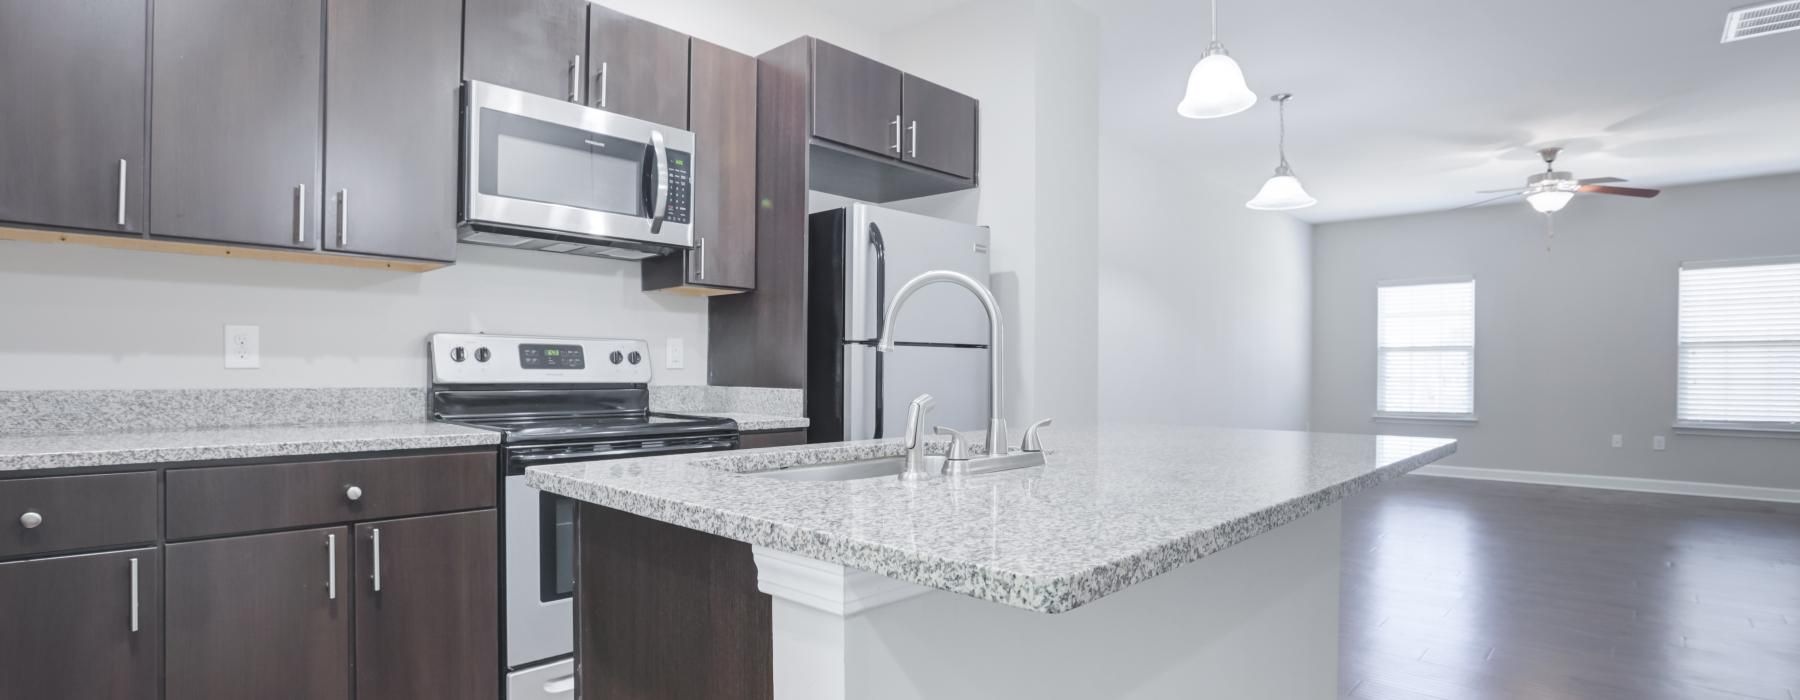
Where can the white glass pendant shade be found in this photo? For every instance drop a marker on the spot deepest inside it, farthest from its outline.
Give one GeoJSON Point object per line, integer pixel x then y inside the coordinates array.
{"type": "Point", "coordinates": [1281, 192]}
{"type": "Point", "coordinates": [1549, 201]}
{"type": "Point", "coordinates": [1215, 88]}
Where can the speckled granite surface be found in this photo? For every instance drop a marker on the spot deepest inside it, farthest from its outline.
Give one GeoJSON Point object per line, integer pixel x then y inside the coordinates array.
{"type": "Point", "coordinates": [102, 449]}
{"type": "Point", "coordinates": [751, 422]}
{"type": "Point", "coordinates": [1112, 508]}
{"type": "Point", "coordinates": [154, 410]}
{"type": "Point", "coordinates": [727, 399]}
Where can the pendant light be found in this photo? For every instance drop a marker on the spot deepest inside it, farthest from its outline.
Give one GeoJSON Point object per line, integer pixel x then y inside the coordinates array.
{"type": "Point", "coordinates": [1216, 86]}
{"type": "Point", "coordinates": [1283, 191]}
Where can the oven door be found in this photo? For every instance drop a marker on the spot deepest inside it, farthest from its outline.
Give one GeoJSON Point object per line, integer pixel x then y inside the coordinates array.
{"type": "Point", "coordinates": [532, 163]}
{"type": "Point", "coordinates": [540, 543]}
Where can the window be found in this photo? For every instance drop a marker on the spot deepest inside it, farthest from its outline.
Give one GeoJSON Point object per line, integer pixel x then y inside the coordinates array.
{"type": "Point", "coordinates": [1740, 346]}
{"type": "Point", "coordinates": [1425, 349]}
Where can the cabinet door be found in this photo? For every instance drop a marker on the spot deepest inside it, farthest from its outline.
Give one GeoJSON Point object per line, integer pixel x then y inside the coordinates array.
{"type": "Point", "coordinates": [235, 121]}
{"type": "Point", "coordinates": [72, 144]}
{"type": "Point", "coordinates": [427, 608]}
{"type": "Point", "coordinates": [87, 627]}
{"type": "Point", "coordinates": [722, 100]}
{"type": "Point", "coordinates": [940, 127]}
{"type": "Point", "coordinates": [263, 616]}
{"type": "Point", "coordinates": [856, 101]}
{"type": "Point", "coordinates": [530, 45]}
{"type": "Point", "coordinates": [392, 69]}
{"type": "Point", "coordinates": [637, 69]}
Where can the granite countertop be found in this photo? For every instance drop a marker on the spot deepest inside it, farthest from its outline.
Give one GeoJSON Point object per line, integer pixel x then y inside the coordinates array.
{"type": "Point", "coordinates": [753, 422]}
{"type": "Point", "coordinates": [1112, 507]}
{"type": "Point", "coordinates": [57, 451]}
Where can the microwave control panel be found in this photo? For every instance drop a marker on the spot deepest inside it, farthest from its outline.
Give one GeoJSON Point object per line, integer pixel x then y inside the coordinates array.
{"type": "Point", "coordinates": [681, 189]}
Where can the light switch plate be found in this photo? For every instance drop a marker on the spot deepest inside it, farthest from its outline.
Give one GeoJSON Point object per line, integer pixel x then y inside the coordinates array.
{"type": "Point", "coordinates": [1618, 440]}
{"type": "Point", "coordinates": [1657, 443]}
{"type": "Point", "coordinates": [675, 355]}
{"type": "Point", "coordinates": [243, 347]}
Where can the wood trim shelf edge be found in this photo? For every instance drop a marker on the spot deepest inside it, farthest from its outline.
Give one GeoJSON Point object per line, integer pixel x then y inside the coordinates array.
{"type": "Point", "coordinates": [309, 257]}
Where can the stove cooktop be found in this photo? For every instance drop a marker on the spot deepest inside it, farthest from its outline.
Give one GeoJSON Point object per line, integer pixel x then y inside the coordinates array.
{"type": "Point", "coordinates": [610, 427]}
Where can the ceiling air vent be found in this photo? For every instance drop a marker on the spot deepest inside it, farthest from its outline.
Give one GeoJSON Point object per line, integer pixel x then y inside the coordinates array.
{"type": "Point", "coordinates": [1761, 19]}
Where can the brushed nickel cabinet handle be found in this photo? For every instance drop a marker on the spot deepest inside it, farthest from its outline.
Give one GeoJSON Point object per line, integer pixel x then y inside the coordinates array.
{"type": "Point", "coordinates": [121, 192]}
{"type": "Point", "coordinates": [134, 594]}
{"type": "Point", "coordinates": [300, 214]}
{"type": "Point", "coordinates": [354, 493]}
{"type": "Point", "coordinates": [31, 519]}
{"type": "Point", "coordinates": [331, 567]}
{"type": "Point", "coordinates": [375, 537]}
{"type": "Point", "coordinates": [343, 218]}
{"type": "Point", "coordinates": [575, 79]}
{"type": "Point", "coordinates": [914, 130]}
{"type": "Point", "coordinates": [896, 124]}
{"type": "Point", "coordinates": [700, 252]}
{"type": "Point", "coordinates": [603, 74]}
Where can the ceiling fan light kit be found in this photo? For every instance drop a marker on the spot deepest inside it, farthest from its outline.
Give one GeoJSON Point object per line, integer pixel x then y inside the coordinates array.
{"type": "Point", "coordinates": [1283, 191]}
{"type": "Point", "coordinates": [1549, 191]}
{"type": "Point", "coordinates": [1215, 87]}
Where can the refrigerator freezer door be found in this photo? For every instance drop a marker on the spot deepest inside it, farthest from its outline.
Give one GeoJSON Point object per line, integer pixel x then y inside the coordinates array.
{"type": "Point", "coordinates": [956, 377]}
{"type": "Point", "coordinates": [909, 245]}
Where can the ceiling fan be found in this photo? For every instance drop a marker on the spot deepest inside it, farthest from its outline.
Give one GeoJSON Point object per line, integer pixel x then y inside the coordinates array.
{"type": "Point", "coordinates": [1551, 190]}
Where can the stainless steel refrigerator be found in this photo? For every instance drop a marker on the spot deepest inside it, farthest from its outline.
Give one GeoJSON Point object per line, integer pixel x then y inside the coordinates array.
{"type": "Point", "coordinates": [858, 257]}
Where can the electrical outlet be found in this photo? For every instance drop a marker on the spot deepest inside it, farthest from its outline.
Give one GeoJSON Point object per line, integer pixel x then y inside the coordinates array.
{"type": "Point", "coordinates": [1618, 440]}
{"type": "Point", "coordinates": [1657, 442]}
{"type": "Point", "coordinates": [675, 355]}
{"type": "Point", "coordinates": [243, 347]}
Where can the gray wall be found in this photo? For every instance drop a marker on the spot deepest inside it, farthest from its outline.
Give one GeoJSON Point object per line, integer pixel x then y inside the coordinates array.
{"type": "Point", "coordinates": [1205, 306]}
{"type": "Point", "coordinates": [1573, 344]}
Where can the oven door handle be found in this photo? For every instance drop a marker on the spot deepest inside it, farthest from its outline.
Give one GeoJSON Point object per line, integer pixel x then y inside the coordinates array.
{"type": "Point", "coordinates": [631, 452]}
{"type": "Point", "coordinates": [659, 203]}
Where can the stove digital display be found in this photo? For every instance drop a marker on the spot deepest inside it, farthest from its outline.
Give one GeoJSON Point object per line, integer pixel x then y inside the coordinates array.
{"type": "Point", "coordinates": [539, 356]}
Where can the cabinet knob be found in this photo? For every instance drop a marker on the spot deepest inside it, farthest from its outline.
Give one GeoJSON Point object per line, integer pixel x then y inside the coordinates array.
{"type": "Point", "coordinates": [353, 493]}
{"type": "Point", "coordinates": [31, 519]}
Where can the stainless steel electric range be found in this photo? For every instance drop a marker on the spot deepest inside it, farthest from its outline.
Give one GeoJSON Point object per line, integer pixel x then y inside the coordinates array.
{"type": "Point", "coordinates": [555, 400]}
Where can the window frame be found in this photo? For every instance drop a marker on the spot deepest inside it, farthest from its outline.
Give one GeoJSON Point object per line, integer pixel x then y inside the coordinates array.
{"type": "Point", "coordinates": [1714, 427]}
{"type": "Point", "coordinates": [1469, 418]}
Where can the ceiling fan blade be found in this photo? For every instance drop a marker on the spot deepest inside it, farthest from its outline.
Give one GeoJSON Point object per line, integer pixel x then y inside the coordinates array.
{"type": "Point", "coordinates": [1490, 199]}
{"type": "Point", "coordinates": [1512, 190]}
{"type": "Point", "coordinates": [1600, 180]}
{"type": "Point", "coordinates": [1627, 191]}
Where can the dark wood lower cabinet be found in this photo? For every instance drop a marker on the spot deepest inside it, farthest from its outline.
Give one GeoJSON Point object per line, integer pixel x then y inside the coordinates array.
{"type": "Point", "coordinates": [667, 612]}
{"type": "Point", "coordinates": [68, 630]}
{"type": "Point", "coordinates": [427, 615]}
{"type": "Point", "coordinates": [255, 617]}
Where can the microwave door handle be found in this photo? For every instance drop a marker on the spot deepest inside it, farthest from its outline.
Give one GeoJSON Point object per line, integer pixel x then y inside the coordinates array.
{"type": "Point", "coordinates": [659, 203]}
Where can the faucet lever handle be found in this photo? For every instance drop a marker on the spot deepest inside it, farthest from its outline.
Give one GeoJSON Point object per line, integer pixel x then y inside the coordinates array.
{"type": "Point", "coordinates": [1031, 443]}
{"type": "Point", "coordinates": [915, 418]}
{"type": "Point", "coordinates": [959, 444]}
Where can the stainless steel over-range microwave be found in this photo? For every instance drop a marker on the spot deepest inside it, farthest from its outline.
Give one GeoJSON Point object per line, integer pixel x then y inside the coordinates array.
{"type": "Point", "coordinates": [543, 174]}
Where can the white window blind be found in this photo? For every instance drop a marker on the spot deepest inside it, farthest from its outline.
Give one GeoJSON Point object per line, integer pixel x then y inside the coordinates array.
{"type": "Point", "coordinates": [1425, 354]}
{"type": "Point", "coordinates": [1740, 346]}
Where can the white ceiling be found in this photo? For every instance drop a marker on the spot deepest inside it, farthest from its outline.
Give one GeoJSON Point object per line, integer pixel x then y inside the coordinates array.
{"type": "Point", "coordinates": [1411, 105]}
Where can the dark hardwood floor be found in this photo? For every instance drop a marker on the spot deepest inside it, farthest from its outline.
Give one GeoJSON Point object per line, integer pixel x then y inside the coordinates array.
{"type": "Point", "coordinates": [1457, 589]}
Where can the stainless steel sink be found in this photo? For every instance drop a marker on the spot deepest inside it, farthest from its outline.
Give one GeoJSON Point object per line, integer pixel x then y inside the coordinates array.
{"type": "Point", "coordinates": [846, 471]}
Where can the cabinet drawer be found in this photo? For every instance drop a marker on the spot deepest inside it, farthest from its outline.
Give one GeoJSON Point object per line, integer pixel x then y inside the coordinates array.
{"type": "Point", "coordinates": [224, 500]}
{"type": "Point", "coordinates": [76, 512]}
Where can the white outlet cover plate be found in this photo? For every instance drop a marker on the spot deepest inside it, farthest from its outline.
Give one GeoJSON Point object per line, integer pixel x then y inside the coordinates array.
{"type": "Point", "coordinates": [675, 356]}
{"type": "Point", "coordinates": [243, 347]}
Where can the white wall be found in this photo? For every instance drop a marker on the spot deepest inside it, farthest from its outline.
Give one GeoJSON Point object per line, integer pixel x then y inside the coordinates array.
{"type": "Point", "coordinates": [1204, 305]}
{"type": "Point", "coordinates": [74, 317]}
{"type": "Point", "coordinates": [1033, 65]}
{"type": "Point", "coordinates": [1574, 344]}
{"type": "Point", "coordinates": [77, 317]}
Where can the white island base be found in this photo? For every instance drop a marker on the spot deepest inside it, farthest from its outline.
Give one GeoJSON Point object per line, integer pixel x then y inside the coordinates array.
{"type": "Point", "coordinates": [1258, 620]}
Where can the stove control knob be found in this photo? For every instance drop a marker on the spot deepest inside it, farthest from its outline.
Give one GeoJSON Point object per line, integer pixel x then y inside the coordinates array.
{"type": "Point", "coordinates": [636, 358]}
{"type": "Point", "coordinates": [616, 357]}
{"type": "Point", "coordinates": [457, 355]}
{"type": "Point", "coordinates": [482, 354]}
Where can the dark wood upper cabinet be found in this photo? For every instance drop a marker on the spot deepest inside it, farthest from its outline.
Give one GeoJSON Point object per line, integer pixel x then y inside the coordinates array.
{"type": "Point", "coordinates": [85, 626]}
{"type": "Point", "coordinates": [940, 126]}
{"type": "Point", "coordinates": [73, 148]}
{"type": "Point", "coordinates": [392, 70]}
{"type": "Point", "coordinates": [722, 115]}
{"type": "Point", "coordinates": [532, 45]}
{"type": "Point", "coordinates": [856, 100]}
{"type": "Point", "coordinates": [236, 121]}
{"type": "Point", "coordinates": [637, 68]}
{"type": "Point", "coordinates": [256, 616]}
{"type": "Point", "coordinates": [427, 615]}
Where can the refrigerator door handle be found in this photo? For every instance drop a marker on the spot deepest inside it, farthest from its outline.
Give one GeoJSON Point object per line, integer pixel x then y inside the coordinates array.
{"type": "Point", "coordinates": [876, 242]}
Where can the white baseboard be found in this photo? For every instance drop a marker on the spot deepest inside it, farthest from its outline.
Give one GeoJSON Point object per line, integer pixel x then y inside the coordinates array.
{"type": "Point", "coordinates": [1616, 483]}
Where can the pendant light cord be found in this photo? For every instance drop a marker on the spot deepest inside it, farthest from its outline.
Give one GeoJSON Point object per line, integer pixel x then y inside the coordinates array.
{"type": "Point", "coordinates": [1215, 21]}
{"type": "Point", "coordinates": [1281, 142]}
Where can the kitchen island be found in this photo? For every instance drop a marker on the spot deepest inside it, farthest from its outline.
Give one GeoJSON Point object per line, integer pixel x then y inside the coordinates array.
{"type": "Point", "coordinates": [1141, 561]}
